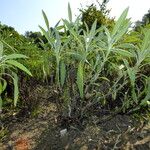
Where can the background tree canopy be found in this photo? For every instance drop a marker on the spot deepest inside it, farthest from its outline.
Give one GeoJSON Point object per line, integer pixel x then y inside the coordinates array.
{"type": "Point", "coordinates": [145, 21]}
{"type": "Point", "coordinates": [101, 14]}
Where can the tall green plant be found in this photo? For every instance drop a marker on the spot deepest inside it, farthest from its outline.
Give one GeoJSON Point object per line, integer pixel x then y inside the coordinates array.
{"type": "Point", "coordinates": [141, 54]}
{"type": "Point", "coordinates": [82, 51]}
{"type": "Point", "coordinates": [8, 67]}
{"type": "Point", "coordinates": [100, 57]}
{"type": "Point", "coordinates": [107, 46]}
{"type": "Point", "coordinates": [55, 40]}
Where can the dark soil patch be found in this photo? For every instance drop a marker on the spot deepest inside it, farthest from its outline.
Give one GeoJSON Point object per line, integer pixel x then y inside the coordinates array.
{"type": "Point", "coordinates": [118, 133]}
{"type": "Point", "coordinates": [42, 130]}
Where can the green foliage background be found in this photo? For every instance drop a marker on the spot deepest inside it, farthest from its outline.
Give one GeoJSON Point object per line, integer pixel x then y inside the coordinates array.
{"type": "Point", "coordinates": [94, 60]}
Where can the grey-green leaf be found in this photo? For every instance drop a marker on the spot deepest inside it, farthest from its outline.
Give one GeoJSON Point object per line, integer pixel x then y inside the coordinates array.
{"type": "Point", "coordinates": [16, 90]}
{"type": "Point", "coordinates": [123, 52]}
{"type": "Point", "coordinates": [1, 49]}
{"type": "Point", "coordinates": [80, 82]}
{"type": "Point", "coordinates": [69, 13]}
{"type": "Point", "coordinates": [1, 103]}
{"type": "Point", "coordinates": [146, 41]}
{"type": "Point", "coordinates": [18, 65]}
{"type": "Point", "coordinates": [62, 73]}
{"type": "Point", "coordinates": [46, 20]}
{"type": "Point", "coordinates": [15, 56]}
{"type": "Point", "coordinates": [120, 21]}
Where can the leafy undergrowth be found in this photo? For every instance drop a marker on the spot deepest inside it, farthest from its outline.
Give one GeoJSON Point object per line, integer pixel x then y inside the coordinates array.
{"type": "Point", "coordinates": [41, 129]}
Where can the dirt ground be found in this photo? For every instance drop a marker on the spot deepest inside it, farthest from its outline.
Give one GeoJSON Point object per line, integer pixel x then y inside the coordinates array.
{"type": "Point", "coordinates": [44, 130]}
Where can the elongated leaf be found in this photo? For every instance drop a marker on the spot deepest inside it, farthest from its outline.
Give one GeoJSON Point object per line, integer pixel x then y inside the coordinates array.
{"type": "Point", "coordinates": [56, 25]}
{"type": "Point", "coordinates": [108, 35]}
{"type": "Point", "coordinates": [46, 35]}
{"type": "Point", "coordinates": [120, 21]}
{"type": "Point", "coordinates": [15, 56]}
{"type": "Point", "coordinates": [18, 65]}
{"type": "Point", "coordinates": [57, 41]}
{"type": "Point", "coordinates": [146, 100]}
{"type": "Point", "coordinates": [3, 85]}
{"type": "Point", "coordinates": [104, 78]}
{"type": "Point", "coordinates": [132, 75]}
{"type": "Point", "coordinates": [127, 46]}
{"type": "Point", "coordinates": [44, 31]}
{"type": "Point", "coordinates": [67, 24]}
{"type": "Point", "coordinates": [46, 20]}
{"type": "Point", "coordinates": [62, 73]}
{"type": "Point", "coordinates": [124, 52]}
{"type": "Point", "coordinates": [75, 55]}
{"type": "Point", "coordinates": [10, 47]}
{"type": "Point", "coordinates": [142, 55]}
{"type": "Point", "coordinates": [60, 27]}
{"type": "Point", "coordinates": [131, 72]}
{"type": "Point", "coordinates": [77, 37]}
{"type": "Point", "coordinates": [1, 88]}
{"type": "Point", "coordinates": [16, 90]}
{"type": "Point", "coordinates": [87, 28]}
{"type": "Point", "coordinates": [93, 29]}
{"type": "Point", "coordinates": [69, 13]}
{"type": "Point", "coordinates": [1, 49]}
{"type": "Point", "coordinates": [146, 41]}
{"type": "Point", "coordinates": [90, 36]}
{"type": "Point", "coordinates": [122, 30]}
{"type": "Point", "coordinates": [134, 95]}
{"type": "Point", "coordinates": [1, 103]}
{"type": "Point", "coordinates": [80, 82]}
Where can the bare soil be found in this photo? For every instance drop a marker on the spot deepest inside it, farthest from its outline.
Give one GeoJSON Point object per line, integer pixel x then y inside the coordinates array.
{"type": "Point", "coordinates": [42, 129]}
